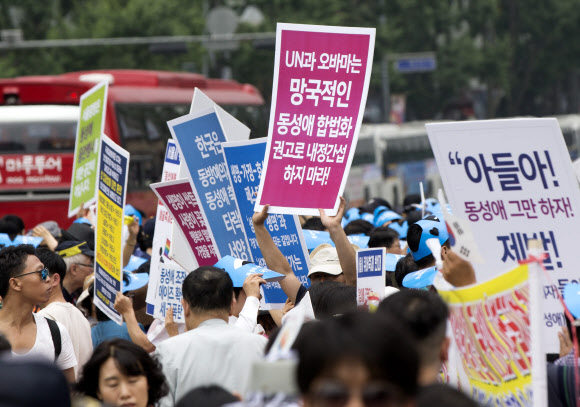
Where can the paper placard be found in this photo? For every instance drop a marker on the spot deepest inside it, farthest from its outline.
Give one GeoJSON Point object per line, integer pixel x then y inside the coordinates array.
{"type": "Point", "coordinates": [91, 124]}
{"type": "Point", "coordinates": [513, 181]}
{"type": "Point", "coordinates": [370, 277]}
{"type": "Point", "coordinates": [321, 79]}
{"type": "Point", "coordinates": [112, 187]}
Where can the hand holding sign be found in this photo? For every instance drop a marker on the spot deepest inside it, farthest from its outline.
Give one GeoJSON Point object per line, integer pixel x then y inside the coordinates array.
{"type": "Point", "coordinates": [457, 271]}
{"type": "Point", "coordinates": [260, 217]}
{"type": "Point", "coordinates": [252, 285]}
{"type": "Point", "coordinates": [333, 222]}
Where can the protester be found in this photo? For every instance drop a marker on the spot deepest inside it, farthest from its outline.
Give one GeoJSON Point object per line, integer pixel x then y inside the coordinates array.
{"type": "Point", "coordinates": [424, 315]}
{"type": "Point", "coordinates": [387, 238]}
{"type": "Point", "coordinates": [25, 282]}
{"type": "Point", "coordinates": [121, 374]}
{"type": "Point", "coordinates": [357, 227]}
{"type": "Point", "coordinates": [244, 313]}
{"type": "Point", "coordinates": [50, 233]}
{"type": "Point", "coordinates": [80, 263]}
{"type": "Point", "coordinates": [356, 359]}
{"type": "Point", "coordinates": [431, 226]}
{"type": "Point", "coordinates": [17, 222]}
{"type": "Point", "coordinates": [211, 351]}
{"type": "Point", "coordinates": [64, 312]}
{"type": "Point", "coordinates": [405, 265]}
{"type": "Point", "coordinates": [325, 260]}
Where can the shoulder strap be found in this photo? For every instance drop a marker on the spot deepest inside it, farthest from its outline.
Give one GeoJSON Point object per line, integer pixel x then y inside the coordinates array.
{"type": "Point", "coordinates": [56, 340]}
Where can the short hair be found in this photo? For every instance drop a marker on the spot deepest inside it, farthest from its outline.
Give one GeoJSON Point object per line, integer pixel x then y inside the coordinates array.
{"type": "Point", "coordinates": [52, 261]}
{"type": "Point", "coordinates": [358, 226]}
{"type": "Point", "coordinates": [330, 298]}
{"type": "Point", "coordinates": [16, 220]}
{"type": "Point", "coordinates": [404, 266]}
{"type": "Point", "coordinates": [70, 260]}
{"type": "Point", "coordinates": [383, 237]}
{"type": "Point", "coordinates": [207, 396]}
{"type": "Point", "coordinates": [440, 394]}
{"type": "Point", "coordinates": [313, 223]}
{"type": "Point", "coordinates": [131, 360]}
{"type": "Point", "coordinates": [12, 263]}
{"type": "Point", "coordinates": [9, 228]}
{"type": "Point", "coordinates": [208, 288]}
{"type": "Point", "coordinates": [424, 314]}
{"type": "Point", "coordinates": [385, 348]}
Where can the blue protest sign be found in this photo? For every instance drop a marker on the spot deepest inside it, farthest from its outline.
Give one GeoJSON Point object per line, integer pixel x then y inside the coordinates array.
{"type": "Point", "coordinates": [244, 161]}
{"type": "Point", "coordinates": [199, 137]}
{"type": "Point", "coordinates": [238, 271]}
{"type": "Point", "coordinates": [362, 241]}
{"type": "Point", "coordinates": [421, 278]}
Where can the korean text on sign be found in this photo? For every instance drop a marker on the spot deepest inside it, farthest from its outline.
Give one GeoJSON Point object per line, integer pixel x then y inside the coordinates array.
{"type": "Point", "coordinates": [513, 181]}
{"type": "Point", "coordinates": [91, 124]}
{"type": "Point", "coordinates": [113, 170]}
{"type": "Point", "coordinates": [320, 86]}
{"type": "Point", "coordinates": [244, 161]}
{"type": "Point", "coordinates": [179, 200]}
{"type": "Point", "coordinates": [199, 140]}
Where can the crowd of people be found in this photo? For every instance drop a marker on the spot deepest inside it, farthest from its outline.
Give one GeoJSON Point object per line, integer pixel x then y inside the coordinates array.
{"type": "Point", "coordinates": [58, 348]}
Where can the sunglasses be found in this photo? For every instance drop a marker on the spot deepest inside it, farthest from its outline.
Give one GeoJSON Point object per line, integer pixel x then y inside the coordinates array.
{"type": "Point", "coordinates": [336, 395]}
{"type": "Point", "coordinates": [43, 274]}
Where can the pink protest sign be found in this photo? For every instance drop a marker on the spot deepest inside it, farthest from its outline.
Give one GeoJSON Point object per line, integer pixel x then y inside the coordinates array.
{"type": "Point", "coordinates": [179, 199]}
{"type": "Point", "coordinates": [321, 80]}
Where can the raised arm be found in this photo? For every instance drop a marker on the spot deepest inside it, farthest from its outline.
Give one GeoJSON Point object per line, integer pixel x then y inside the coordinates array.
{"type": "Point", "coordinates": [124, 306]}
{"type": "Point", "coordinates": [131, 241]}
{"type": "Point", "coordinates": [346, 253]}
{"type": "Point", "coordinates": [275, 260]}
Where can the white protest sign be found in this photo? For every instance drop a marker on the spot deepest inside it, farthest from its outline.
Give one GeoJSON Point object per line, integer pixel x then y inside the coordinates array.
{"type": "Point", "coordinates": [162, 240]}
{"type": "Point", "coordinates": [513, 180]}
{"type": "Point", "coordinates": [234, 129]}
{"type": "Point", "coordinates": [370, 277]}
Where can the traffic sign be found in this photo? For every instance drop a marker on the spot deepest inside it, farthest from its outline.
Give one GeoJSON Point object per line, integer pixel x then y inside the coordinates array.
{"type": "Point", "coordinates": [416, 63]}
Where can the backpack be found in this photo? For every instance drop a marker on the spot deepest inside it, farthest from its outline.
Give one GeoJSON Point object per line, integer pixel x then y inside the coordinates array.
{"type": "Point", "coordinates": [55, 334]}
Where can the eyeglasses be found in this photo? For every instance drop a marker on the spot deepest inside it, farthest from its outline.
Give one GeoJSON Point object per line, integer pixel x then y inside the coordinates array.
{"type": "Point", "coordinates": [43, 274]}
{"type": "Point", "coordinates": [332, 394]}
{"type": "Point", "coordinates": [92, 265]}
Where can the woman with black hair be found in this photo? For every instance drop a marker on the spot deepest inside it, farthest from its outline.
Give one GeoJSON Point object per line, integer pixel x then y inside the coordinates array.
{"type": "Point", "coordinates": [121, 373]}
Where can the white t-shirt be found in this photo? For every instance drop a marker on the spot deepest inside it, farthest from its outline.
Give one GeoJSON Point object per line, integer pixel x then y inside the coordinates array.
{"type": "Point", "coordinates": [78, 327]}
{"type": "Point", "coordinates": [44, 347]}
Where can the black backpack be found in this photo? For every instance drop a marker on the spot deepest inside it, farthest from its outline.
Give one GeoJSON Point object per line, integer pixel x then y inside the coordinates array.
{"type": "Point", "coordinates": [56, 340]}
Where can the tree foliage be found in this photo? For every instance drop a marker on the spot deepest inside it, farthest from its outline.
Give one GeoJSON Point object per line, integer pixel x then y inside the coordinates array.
{"type": "Point", "coordinates": [511, 57]}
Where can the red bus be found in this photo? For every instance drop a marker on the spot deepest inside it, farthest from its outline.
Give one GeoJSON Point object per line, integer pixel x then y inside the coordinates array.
{"type": "Point", "coordinates": [38, 119]}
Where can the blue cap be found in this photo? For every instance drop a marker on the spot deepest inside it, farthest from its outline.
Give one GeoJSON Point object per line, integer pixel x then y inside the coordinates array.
{"type": "Point", "coordinates": [386, 216]}
{"type": "Point", "coordinates": [83, 220]}
{"type": "Point", "coordinates": [367, 216]}
{"type": "Point", "coordinates": [314, 238]}
{"type": "Point", "coordinates": [134, 281]}
{"type": "Point", "coordinates": [432, 226]}
{"type": "Point", "coordinates": [361, 240]}
{"type": "Point", "coordinates": [349, 216]}
{"type": "Point", "coordinates": [134, 263]}
{"type": "Point", "coordinates": [401, 229]}
{"type": "Point", "coordinates": [391, 261]}
{"type": "Point", "coordinates": [420, 278]}
{"type": "Point", "coordinates": [238, 271]}
{"type": "Point", "coordinates": [432, 205]}
{"type": "Point", "coordinates": [380, 209]}
{"type": "Point", "coordinates": [131, 211]}
{"type": "Point", "coordinates": [572, 298]}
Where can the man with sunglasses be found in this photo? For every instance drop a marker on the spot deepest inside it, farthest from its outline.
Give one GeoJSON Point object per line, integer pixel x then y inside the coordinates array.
{"type": "Point", "coordinates": [24, 283]}
{"type": "Point", "coordinates": [80, 263]}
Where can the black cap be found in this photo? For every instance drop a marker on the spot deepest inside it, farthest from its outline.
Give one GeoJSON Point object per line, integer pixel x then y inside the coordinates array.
{"type": "Point", "coordinates": [74, 247]}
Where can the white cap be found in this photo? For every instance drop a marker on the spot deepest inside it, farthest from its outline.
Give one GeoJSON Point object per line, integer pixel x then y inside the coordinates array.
{"type": "Point", "coordinates": [324, 259]}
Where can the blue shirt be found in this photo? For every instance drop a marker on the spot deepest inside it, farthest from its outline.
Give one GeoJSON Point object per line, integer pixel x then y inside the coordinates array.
{"type": "Point", "coordinates": [105, 330]}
